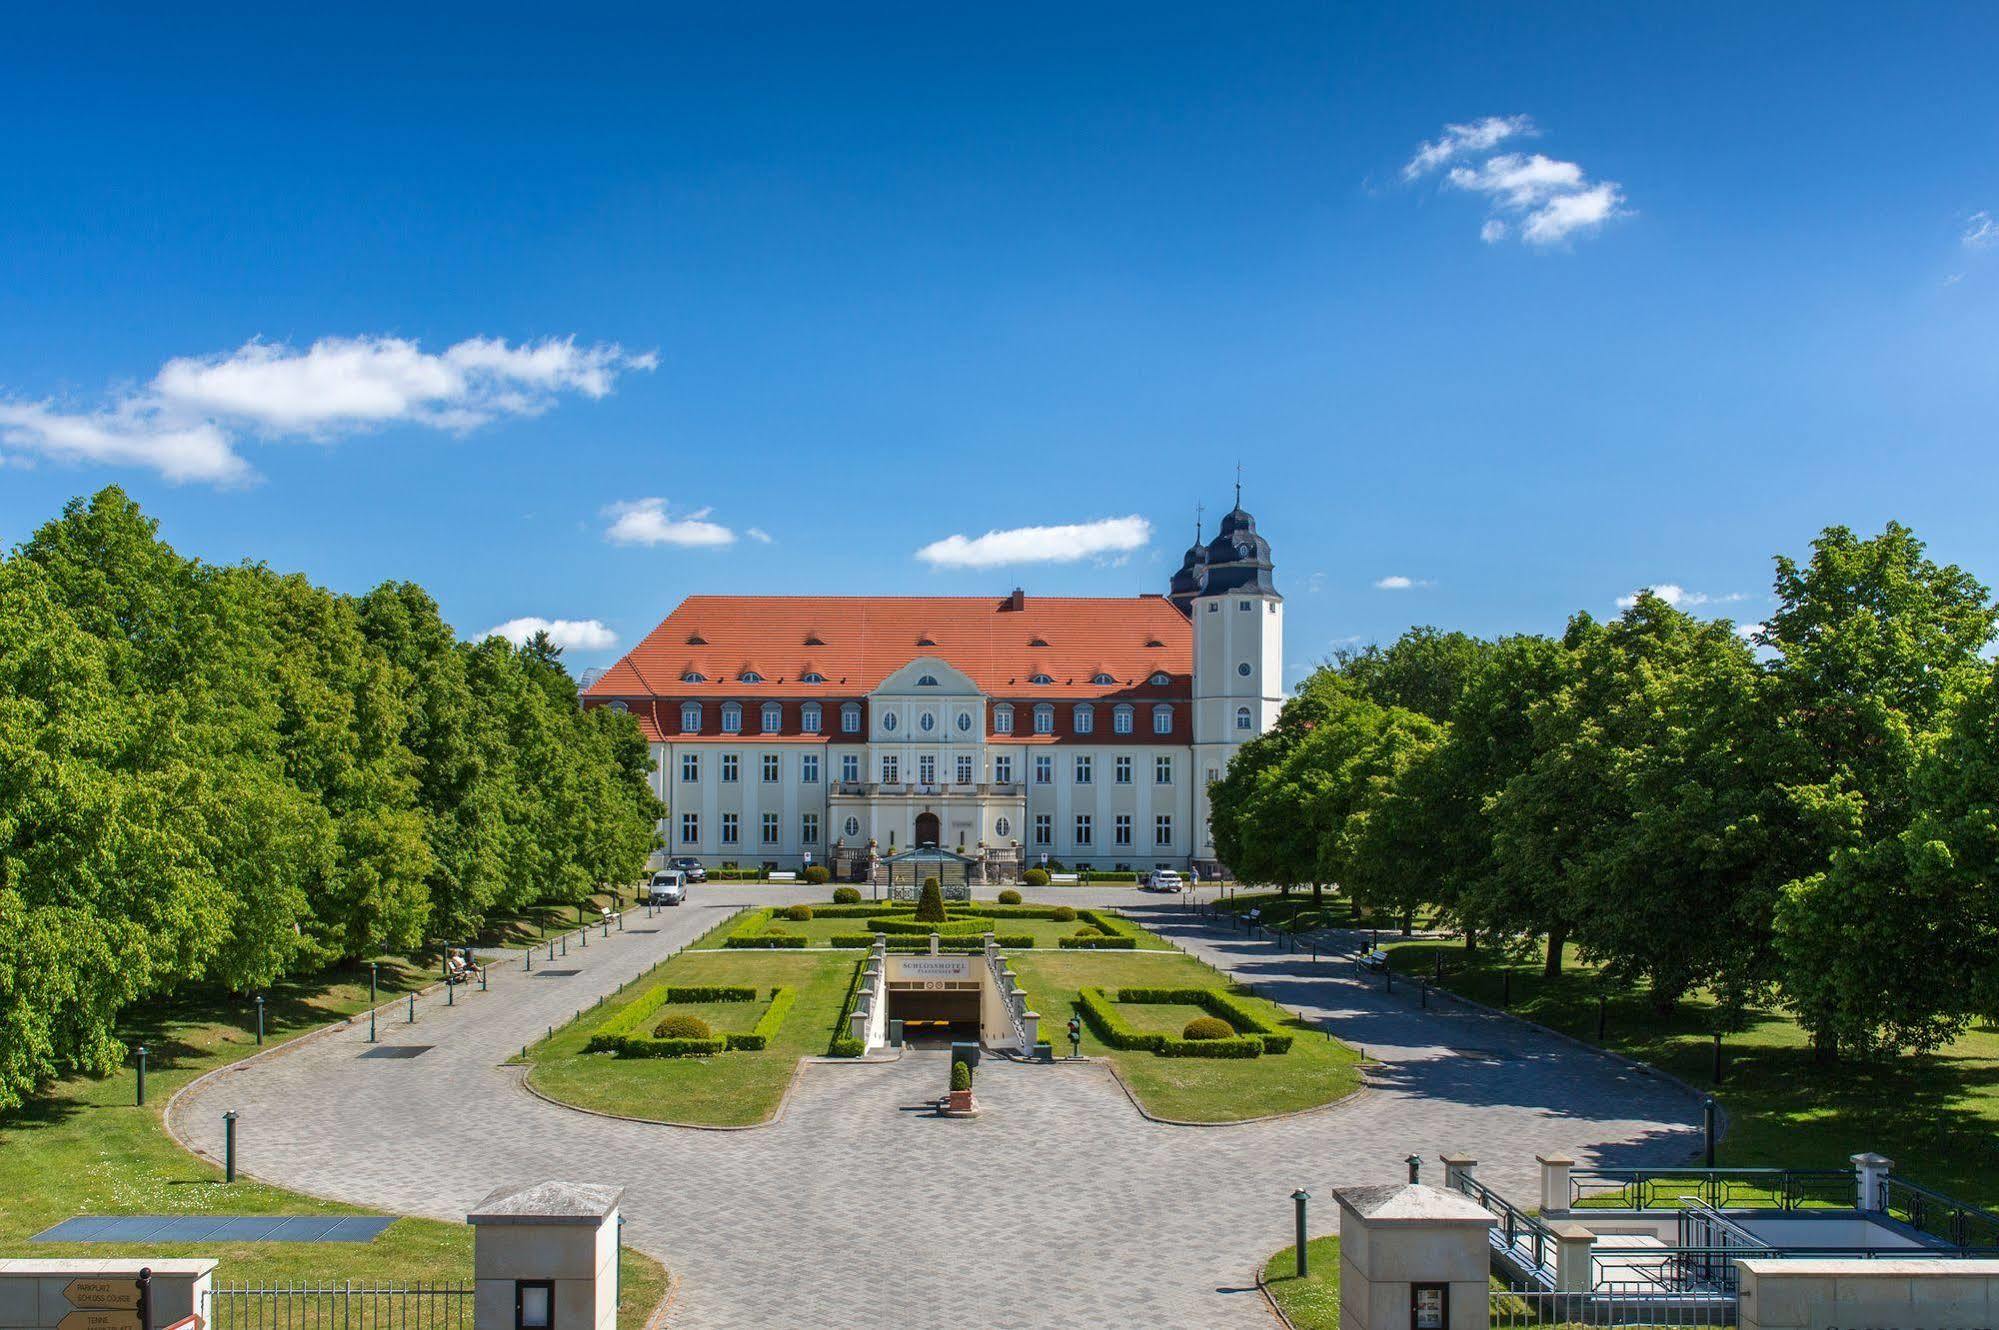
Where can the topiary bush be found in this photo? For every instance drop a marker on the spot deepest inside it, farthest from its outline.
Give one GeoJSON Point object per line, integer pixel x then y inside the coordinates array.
{"type": "Point", "coordinates": [799, 914]}
{"type": "Point", "coordinates": [1208, 1027]}
{"type": "Point", "coordinates": [930, 905]}
{"type": "Point", "coordinates": [961, 1075]}
{"type": "Point", "coordinates": [1035, 877]}
{"type": "Point", "coordinates": [1088, 930]}
{"type": "Point", "coordinates": [817, 875]}
{"type": "Point", "coordinates": [1009, 897]}
{"type": "Point", "coordinates": [683, 1025]}
{"type": "Point", "coordinates": [1063, 914]}
{"type": "Point", "coordinates": [846, 896]}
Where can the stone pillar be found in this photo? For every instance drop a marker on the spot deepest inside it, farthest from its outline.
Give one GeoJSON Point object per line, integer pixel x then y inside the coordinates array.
{"type": "Point", "coordinates": [1457, 1170]}
{"type": "Point", "coordinates": [545, 1257]}
{"type": "Point", "coordinates": [857, 1025]}
{"type": "Point", "coordinates": [933, 944]}
{"type": "Point", "coordinates": [1554, 1182]}
{"type": "Point", "coordinates": [1412, 1255]}
{"type": "Point", "coordinates": [48, 1294]}
{"type": "Point", "coordinates": [1870, 1171]}
{"type": "Point", "coordinates": [1575, 1272]}
{"type": "Point", "coordinates": [1030, 1024]}
{"type": "Point", "coordinates": [992, 946]}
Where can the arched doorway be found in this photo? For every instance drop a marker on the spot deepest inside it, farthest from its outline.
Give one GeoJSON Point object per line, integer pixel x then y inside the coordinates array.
{"type": "Point", "coordinates": [928, 829]}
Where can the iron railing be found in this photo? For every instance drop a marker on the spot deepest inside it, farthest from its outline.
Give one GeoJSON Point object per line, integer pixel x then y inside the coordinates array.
{"type": "Point", "coordinates": [1942, 1217]}
{"type": "Point", "coordinates": [1610, 1303]}
{"type": "Point", "coordinates": [1722, 1188]}
{"type": "Point", "coordinates": [1709, 1245]}
{"type": "Point", "coordinates": [338, 1306]}
{"type": "Point", "coordinates": [1529, 1243]}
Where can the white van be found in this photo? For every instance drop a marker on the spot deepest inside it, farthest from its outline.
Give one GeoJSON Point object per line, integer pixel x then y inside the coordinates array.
{"type": "Point", "coordinates": [669, 887]}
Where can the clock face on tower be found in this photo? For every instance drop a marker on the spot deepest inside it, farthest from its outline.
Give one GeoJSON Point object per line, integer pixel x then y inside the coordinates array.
{"type": "Point", "coordinates": [1242, 551]}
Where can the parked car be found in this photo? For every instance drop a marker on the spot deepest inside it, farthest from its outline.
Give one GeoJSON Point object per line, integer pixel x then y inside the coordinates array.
{"type": "Point", "coordinates": [668, 887]}
{"type": "Point", "coordinates": [1162, 879]}
{"type": "Point", "coordinates": [691, 869]}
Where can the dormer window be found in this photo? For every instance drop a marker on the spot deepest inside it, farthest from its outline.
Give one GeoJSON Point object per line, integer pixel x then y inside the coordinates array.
{"type": "Point", "coordinates": [694, 676]}
{"type": "Point", "coordinates": [808, 718]}
{"type": "Point", "coordinates": [1121, 718]}
{"type": "Point", "coordinates": [927, 681]}
{"type": "Point", "coordinates": [1159, 680]}
{"type": "Point", "coordinates": [850, 718]}
{"type": "Point", "coordinates": [1162, 719]}
{"type": "Point", "coordinates": [1044, 719]}
{"type": "Point", "coordinates": [690, 717]}
{"type": "Point", "coordinates": [1039, 678]}
{"type": "Point", "coordinates": [619, 707]}
{"type": "Point", "coordinates": [1086, 718]}
{"type": "Point", "coordinates": [773, 717]}
{"type": "Point", "coordinates": [749, 676]}
{"type": "Point", "coordinates": [732, 718]}
{"type": "Point", "coordinates": [1102, 680]}
{"type": "Point", "coordinates": [1003, 719]}
{"type": "Point", "coordinates": [812, 676]}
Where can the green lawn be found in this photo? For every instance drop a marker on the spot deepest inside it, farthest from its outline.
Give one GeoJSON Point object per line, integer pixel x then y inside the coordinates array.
{"type": "Point", "coordinates": [727, 1090]}
{"type": "Point", "coordinates": [86, 1149]}
{"type": "Point", "coordinates": [1316, 1070]}
{"type": "Point", "coordinates": [1937, 1116]}
{"type": "Point", "coordinates": [1312, 1303]}
{"type": "Point", "coordinates": [819, 932]}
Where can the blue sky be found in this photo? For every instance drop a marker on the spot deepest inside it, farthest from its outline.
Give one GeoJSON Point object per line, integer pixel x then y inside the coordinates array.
{"type": "Point", "coordinates": [866, 282]}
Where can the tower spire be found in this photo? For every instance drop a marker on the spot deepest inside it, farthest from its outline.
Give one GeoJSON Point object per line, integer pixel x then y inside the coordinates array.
{"type": "Point", "coordinates": [1238, 484]}
{"type": "Point", "coordinates": [1198, 509]}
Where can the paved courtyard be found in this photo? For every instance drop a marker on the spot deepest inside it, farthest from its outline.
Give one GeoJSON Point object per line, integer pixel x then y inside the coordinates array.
{"type": "Point", "coordinates": [1060, 1207]}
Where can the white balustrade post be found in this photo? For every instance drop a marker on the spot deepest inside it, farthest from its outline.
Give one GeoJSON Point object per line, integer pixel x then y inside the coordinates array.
{"type": "Point", "coordinates": [1574, 1272]}
{"type": "Point", "coordinates": [1030, 1025]}
{"type": "Point", "coordinates": [1458, 1170]}
{"type": "Point", "coordinates": [1554, 1182]}
{"type": "Point", "coordinates": [1870, 1176]}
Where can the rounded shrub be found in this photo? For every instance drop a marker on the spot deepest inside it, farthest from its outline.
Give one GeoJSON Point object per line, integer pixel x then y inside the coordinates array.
{"type": "Point", "coordinates": [1035, 877]}
{"type": "Point", "coordinates": [961, 1075]}
{"type": "Point", "coordinates": [1208, 1027]}
{"type": "Point", "coordinates": [1009, 897]}
{"type": "Point", "coordinates": [817, 875]}
{"type": "Point", "coordinates": [846, 896]}
{"type": "Point", "coordinates": [1088, 930]}
{"type": "Point", "coordinates": [930, 905]}
{"type": "Point", "coordinates": [683, 1025]}
{"type": "Point", "coordinates": [1063, 914]}
{"type": "Point", "coordinates": [798, 914]}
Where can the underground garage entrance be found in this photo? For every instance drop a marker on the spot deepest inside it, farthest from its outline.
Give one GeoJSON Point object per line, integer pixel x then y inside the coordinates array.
{"type": "Point", "coordinates": [935, 1012]}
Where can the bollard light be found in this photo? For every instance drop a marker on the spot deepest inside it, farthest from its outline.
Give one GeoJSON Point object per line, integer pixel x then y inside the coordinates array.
{"type": "Point", "coordinates": [372, 967]}
{"type": "Point", "coordinates": [1707, 1128]}
{"type": "Point", "coordinates": [260, 1020]}
{"type": "Point", "coordinates": [412, 1019]}
{"type": "Point", "coordinates": [229, 1146]}
{"type": "Point", "coordinates": [450, 994]}
{"type": "Point", "coordinates": [142, 1075]}
{"type": "Point", "coordinates": [1298, 1199]}
{"type": "Point", "coordinates": [482, 979]}
{"type": "Point", "coordinates": [371, 1025]}
{"type": "Point", "coordinates": [1415, 1163]}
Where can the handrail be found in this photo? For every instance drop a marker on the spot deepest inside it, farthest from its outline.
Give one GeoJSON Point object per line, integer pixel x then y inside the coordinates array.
{"type": "Point", "coordinates": [1513, 1222]}
{"type": "Point", "coordinates": [1924, 1208]}
{"type": "Point", "coordinates": [1735, 1188]}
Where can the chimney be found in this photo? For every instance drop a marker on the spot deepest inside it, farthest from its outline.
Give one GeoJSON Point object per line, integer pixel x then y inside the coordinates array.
{"type": "Point", "coordinates": [1018, 600]}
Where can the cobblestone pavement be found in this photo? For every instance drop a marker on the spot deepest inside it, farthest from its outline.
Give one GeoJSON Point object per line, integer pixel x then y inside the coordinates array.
{"type": "Point", "coordinates": [1059, 1207]}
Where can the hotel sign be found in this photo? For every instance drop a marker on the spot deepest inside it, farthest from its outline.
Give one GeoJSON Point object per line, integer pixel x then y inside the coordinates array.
{"type": "Point", "coordinates": [935, 967]}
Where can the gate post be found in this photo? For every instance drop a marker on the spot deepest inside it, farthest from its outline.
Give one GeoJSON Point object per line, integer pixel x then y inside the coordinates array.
{"type": "Point", "coordinates": [545, 1257]}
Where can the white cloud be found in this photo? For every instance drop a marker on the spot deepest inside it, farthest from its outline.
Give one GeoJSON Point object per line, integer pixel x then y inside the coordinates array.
{"type": "Point", "coordinates": [1542, 200]}
{"type": "Point", "coordinates": [1460, 140]}
{"type": "Point", "coordinates": [1039, 544]}
{"type": "Point", "coordinates": [648, 522]}
{"type": "Point", "coordinates": [569, 634]}
{"type": "Point", "coordinates": [758, 534]}
{"type": "Point", "coordinates": [1748, 631]}
{"type": "Point", "coordinates": [185, 423]}
{"type": "Point", "coordinates": [1679, 597]}
{"type": "Point", "coordinates": [1315, 583]}
{"type": "Point", "coordinates": [1980, 231]}
{"type": "Point", "coordinates": [1397, 582]}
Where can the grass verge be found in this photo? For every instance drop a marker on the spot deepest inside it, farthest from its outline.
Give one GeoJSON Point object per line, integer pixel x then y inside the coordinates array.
{"type": "Point", "coordinates": [1313, 1302]}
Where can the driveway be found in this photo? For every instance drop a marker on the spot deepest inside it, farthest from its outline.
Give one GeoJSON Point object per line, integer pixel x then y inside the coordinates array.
{"type": "Point", "coordinates": [1060, 1207]}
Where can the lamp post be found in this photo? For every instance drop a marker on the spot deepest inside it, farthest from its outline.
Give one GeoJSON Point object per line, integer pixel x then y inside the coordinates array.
{"type": "Point", "coordinates": [1707, 1128]}
{"type": "Point", "coordinates": [142, 1075]}
{"type": "Point", "coordinates": [1415, 1163]}
{"type": "Point", "coordinates": [260, 1020]}
{"type": "Point", "coordinates": [1298, 1198]}
{"type": "Point", "coordinates": [229, 1146]}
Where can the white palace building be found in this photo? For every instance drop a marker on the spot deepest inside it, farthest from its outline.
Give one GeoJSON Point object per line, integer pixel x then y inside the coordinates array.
{"type": "Point", "coordinates": [841, 730]}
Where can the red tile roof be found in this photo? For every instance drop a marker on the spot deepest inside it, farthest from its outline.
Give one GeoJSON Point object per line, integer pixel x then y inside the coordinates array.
{"type": "Point", "coordinates": [857, 641]}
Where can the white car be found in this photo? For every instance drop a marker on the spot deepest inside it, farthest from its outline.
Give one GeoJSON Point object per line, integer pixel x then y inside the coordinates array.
{"type": "Point", "coordinates": [668, 887]}
{"type": "Point", "coordinates": [1162, 879]}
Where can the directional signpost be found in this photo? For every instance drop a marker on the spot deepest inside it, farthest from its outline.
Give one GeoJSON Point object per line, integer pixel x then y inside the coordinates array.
{"type": "Point", "coordinates": [103, 1304]}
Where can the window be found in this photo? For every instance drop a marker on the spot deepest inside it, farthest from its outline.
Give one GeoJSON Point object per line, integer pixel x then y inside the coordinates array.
{"type": "Point", "coordinates": [1214, 774]}
{"type": "Point", "coordinates": [1044, 769]}
{"type": "Point", "coordinates": [620, 707]}
{"type": "Point", "coordinates": [690, 718]}
{"type": "Point", "coordinates": [1162, 770]}
{"type": "Point", "coordinates": [1044, 719]}
{"type": "Point", "coordinates": [1102, 680]}
{"type": "Point", "coordinates": [732, 718]}
{"type": "Point", "coordinates": [749, 676]}
{"type": "Point", "coordinates": [889, 721]}
{"type": "Point", "coordinates": [690, 767]}
{"type": "Point", "coordinates": [731, 765]}
{"type": "Point", "coordinates": [730, 824]}
{"type": "Point", "coordinates": [1243, 720]}
{"type": "Point", "coordinates": [808, 768]}
{"type": "Point", "coordinates": [1044, 829]}
{"type": "Point", "coordinates": [927, 721]}
{"type": "Point", "coordinates": [850, 718]}
{"type": "Point", "coordinates": [690, 828]}
{"type": "Point", "coordinates": [891, 769]}
{"type": "Point", "coordinates": [812, 676]}
{"type": "Point", "coordinates": [1162, 829]}
{"type": "Point", "coordinates": [1121, 718]}
{"type": "Point", "coordinates": [850, 767]}
{"type": "Point", "coordinates": [808, 828]}
{"type": "Point", "coordinates": [694, 676]}
{"type": "Point", "coordinates": [1121, 830]}
{"type": "Point", "coordinates": [853, 826]}
{"type": "Point", "coordinates": [1086, 718]}
{"type": "Point", "coordinates": [1162, 719]}
{"type": "Point", "coordinates": [1002, 719]}
{"type": "Point", "coordinates": [1084, 828]}
{"type": "Point", "coordinates": [1245, 604]}
{"type": "Point", "coordinates": [1214, 605]}
{"type": "Point", "coordinates": [1121, 769]}
{"type": "Point", "coordinates": [926, 769]}
{"type": "Point", "coordinates": [770, 828]}
{"type": "Point", "coordinates": [1039, 678]}
{"type": "Point", "coordinates": [1085, 769]}
{"type": "Point", "coordinates": [964, 722]}
{"type": "Point", "coordinates": [927, 681]}
{"type": "Point", "coordinates": [808, 718]}
{"type": "Point", "coordinates": [770, 768]}
{"type": "Point", "coordinates": [1001, 827]}
{"type": "Point", "coordinates": [1243, 669]}
{"type": "Point", "coordinates": [964, 768]}
{"type": "Point", "coordinates": [773, 717]}
{"type": "Point", "coordinates": [1003, 768]}
{"type": "Point", "coordinates": [1160, 679]}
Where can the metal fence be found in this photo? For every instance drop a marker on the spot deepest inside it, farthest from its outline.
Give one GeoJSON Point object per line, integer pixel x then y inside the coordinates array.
{"type": "Point", "coordinates": [1519, 1237]}
{"type": "Point", "coordinates": [1607, 1304]}
{"type": "Point", "coordinates": [341, 1306]}
{"type": "Point", "coordinates": [1723, 1188]}
{"type": "Point", "coordinates": [1963, 1226]}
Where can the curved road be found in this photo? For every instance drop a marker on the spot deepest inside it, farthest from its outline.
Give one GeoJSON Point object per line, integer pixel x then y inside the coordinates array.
{"type": "Point", "coordinates": [1060, 1205]}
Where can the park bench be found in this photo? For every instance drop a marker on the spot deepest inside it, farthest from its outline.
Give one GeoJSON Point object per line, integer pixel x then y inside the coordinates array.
{"type": "Point", "coordinates": [1374, 960]}
{"type": "Point", "coordinates": [782, 877]}
{"type": "Point", "coordinates": [1253, 918]}
{"type": "Point", "coordinates": [1066, 879]}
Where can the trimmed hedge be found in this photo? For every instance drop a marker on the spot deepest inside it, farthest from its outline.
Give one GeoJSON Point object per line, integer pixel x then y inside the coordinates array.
{"type": "Point", "coordinates": [846, 896]}
{"type": "Point", "coordinates": [844, 1045]}
{"type": "Point", "coordinates": [817, 876]}
{"type": "Point", "coordinates": [946, 928]}
{"type": "Point", "coordinates": [1219, 1002]}
{"type": "Point", "coordinates": [1009, 897]}
{"type": "Point", "coordinates": [765, 941]}
{"type": "Point", "coordinates": [626, 1035]}
{"type": "Point", "coordinates": [798, 914]}
{"type": "Point", "coordinates": [1097, 943]}
{"type": "Point", "coordinates": [759, 1035]}
{"type": "Point", "coordinates": [862, 941]}
{"type": "Point", "coordinates": [1259, 1035]}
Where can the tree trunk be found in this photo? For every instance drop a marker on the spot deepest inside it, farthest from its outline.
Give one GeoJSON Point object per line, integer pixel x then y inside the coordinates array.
{"type": "Point", "coordinates": [1663, 999]}
{"type": "Point", "coordinates": [1471, 939]}
{"type": "Point", "coordinates": [1825, 1049]}
{"type": "Point", "coordinates": [1552, 966]}
{"type": "Point", "coordinates": [1408, 922]}
{"type": "Point", "coordinates": [1318, 895]}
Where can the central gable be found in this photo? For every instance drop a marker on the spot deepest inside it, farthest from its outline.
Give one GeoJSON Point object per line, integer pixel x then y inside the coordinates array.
{"type": "Point", "coordinates": [928, 676]}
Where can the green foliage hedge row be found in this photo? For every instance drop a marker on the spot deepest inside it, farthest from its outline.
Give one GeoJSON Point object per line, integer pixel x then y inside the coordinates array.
{"type": "Point", "coordinates": [844, 1045]}
{"type": "Point", "coordinates": [947, 928]}
{"type": "Point", "coordinates": [1230, 1007]}
{"type": "Point", "coordinates": [1100, 1010]}
{"type": "Point", "coordinates": [758, 1037]}
{"type": "Point", "coordinates": [1008, 941]}
{"type": "Point", "coordinates": [765, 942]}
{"type": "Point", "coordinates": [628, 1035]}
{"type": "Point", "coordinates": [1097, 943]}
